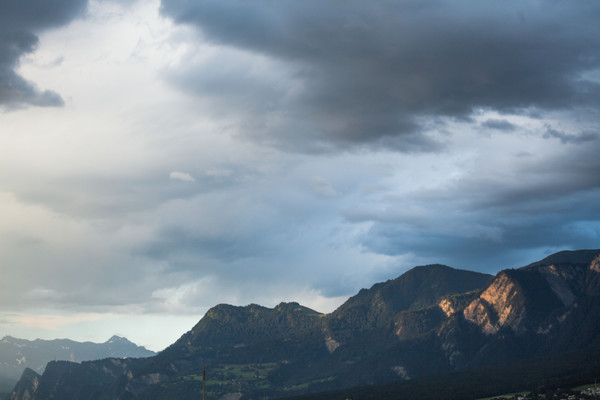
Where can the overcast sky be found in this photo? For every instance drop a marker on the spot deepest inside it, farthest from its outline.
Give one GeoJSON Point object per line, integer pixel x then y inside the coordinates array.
{"type": "Point", "coordinates": [160, 157]}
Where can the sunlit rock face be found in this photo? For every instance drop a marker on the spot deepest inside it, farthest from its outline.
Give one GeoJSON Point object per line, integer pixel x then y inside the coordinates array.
{"type": "Point", "coordinates": [501, 304]}
{"type": "Point", "coordinates": [595, 264]}
{"type": "Point", "coordinates": [447, 307]}
{"type": "Point", "coordinates": [526, 298]}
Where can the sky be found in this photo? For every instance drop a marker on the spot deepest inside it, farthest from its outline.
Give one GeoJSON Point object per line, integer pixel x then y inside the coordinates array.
{"type": "Point", "coordinates": [160, 157]}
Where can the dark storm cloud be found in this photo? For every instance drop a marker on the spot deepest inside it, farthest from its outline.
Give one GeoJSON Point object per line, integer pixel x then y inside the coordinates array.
{"type": "Point", "coordinates": [369, 71]}
{"type": "Point", "coordinates": [20, 22]}
{"type": "Point", "coordinates": [489, 222]}
{"type": "Point", "coordinates": [521, 242]}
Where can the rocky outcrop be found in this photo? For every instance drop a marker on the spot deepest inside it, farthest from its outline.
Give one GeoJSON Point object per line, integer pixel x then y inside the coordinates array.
{"type": "Point", "coordinates": [447, 307]}
{"type": "Point", "coordinates": [595, 264]}
{"type": "Point", "coordinates": [559, 279]}
{"type": "Point", "coordinates": [413, 324]}
{"type": "Point", "coordinates": [136, 386]}
{"type": "Point", "coordinates": [501, 305]}
{"type": "Point", "coordinates": [331, 344]}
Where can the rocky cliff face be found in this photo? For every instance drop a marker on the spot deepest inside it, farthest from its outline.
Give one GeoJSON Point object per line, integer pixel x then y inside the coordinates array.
{"type": "Point", "coordinates": [502, 304]}
{"type": "Point", "coordinates": [527, 298]}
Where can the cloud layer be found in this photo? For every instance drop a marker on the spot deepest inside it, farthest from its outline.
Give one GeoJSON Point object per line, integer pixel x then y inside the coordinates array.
{"type": "Point", "coordinates": [238, 152]}
{"type": "Point", "coordinates": [368, 74]}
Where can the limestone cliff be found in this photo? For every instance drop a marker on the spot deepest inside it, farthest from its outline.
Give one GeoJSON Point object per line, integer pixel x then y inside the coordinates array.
{"type": "Point", "coordinates": [530, 297]}
{"type": "Point", "coordinates": [501, 304]}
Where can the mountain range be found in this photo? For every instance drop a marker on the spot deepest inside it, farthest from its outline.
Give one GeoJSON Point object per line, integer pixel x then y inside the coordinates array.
{"type": "Point", "coordinates": [430, 321]}
{"type": "Point", "coordinates": [18, 354]}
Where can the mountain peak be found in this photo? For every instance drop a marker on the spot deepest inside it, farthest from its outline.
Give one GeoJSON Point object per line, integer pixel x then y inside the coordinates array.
{"type": "Point", "coordinates": [118, 339]}
{"type": "Point", "coordinates": [417, 288]}
{"type": "Point", "coordinates": [568, 256]}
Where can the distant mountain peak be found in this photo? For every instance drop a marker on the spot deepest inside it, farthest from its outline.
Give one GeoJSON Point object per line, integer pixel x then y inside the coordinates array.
{"type": "Point", "coordinates": [17, 354]}
{"type": "Point", "coordinates": [118, 339]}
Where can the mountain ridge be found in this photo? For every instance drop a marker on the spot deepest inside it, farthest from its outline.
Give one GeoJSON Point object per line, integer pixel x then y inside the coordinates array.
{"type": "Point", "coordinates": [18, 354]}
{"type": "Point", "coordinates": [430, 320]}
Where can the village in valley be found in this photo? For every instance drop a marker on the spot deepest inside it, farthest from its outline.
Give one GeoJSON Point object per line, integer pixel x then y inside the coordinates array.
{"type": "Point", "coordinates": [587, 392]}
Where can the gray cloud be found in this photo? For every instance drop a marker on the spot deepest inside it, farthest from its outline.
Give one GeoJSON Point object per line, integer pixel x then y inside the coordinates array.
{"type": "Point", "coordinates": [499, 124]}
{"type": "Point", "coordinates": [520, 242]}
{"type": "Point", "coordinates": [20, 22]}
{"type": "Point", "coordinates": [369, 73]}
{"type": "Point", "coordinates": [184, 249]}
{"type": "Point", "coordinates": [581, 137]}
